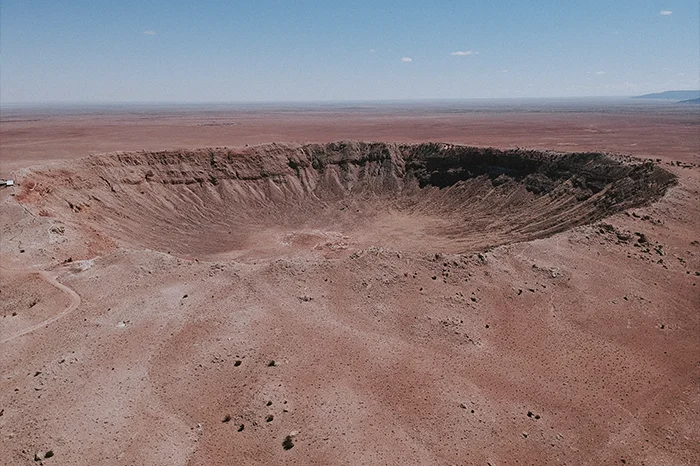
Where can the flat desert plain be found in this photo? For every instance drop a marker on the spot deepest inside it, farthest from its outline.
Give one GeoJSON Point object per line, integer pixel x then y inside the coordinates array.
{"type": "Point", "coordinates": [351, 284]}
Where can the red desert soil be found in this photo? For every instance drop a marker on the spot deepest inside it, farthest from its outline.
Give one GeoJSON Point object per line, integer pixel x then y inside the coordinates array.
{"type": "Point", "coordinates": [350, 303]}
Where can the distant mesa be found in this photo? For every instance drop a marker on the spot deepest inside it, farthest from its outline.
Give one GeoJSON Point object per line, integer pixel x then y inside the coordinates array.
{"type": "Point", "coordinates": [672, 95]}
{"type": "Point", "coordinates": [691, 101]}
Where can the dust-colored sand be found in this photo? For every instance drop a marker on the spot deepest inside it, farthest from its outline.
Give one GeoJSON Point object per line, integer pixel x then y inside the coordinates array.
{"type": "Point", "coordinates": [419, 307]}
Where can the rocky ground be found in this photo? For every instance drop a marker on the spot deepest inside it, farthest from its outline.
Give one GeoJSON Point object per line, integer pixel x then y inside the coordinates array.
{"type": "Point", "coordinates": [362, 327]}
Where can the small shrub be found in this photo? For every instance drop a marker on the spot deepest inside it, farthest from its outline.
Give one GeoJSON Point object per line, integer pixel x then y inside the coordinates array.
{"type": "Point", "coordinates": [288, 443]}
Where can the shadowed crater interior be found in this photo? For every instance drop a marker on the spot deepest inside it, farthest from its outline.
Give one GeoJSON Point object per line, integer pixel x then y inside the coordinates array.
{"type": "Point", "coordinates": [280, 199]}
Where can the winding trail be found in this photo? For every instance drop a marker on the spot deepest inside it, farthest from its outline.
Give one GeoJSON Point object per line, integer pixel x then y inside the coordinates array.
{"type": "Point", "coordinates": [49, 278]}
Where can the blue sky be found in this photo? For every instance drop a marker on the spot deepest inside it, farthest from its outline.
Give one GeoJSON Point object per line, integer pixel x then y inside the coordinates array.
{"type": "Point", "coordinates": [265, 50]}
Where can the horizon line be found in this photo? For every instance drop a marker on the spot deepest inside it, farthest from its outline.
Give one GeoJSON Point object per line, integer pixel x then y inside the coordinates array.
{"type": "Point", "coordinates": [309, 101]}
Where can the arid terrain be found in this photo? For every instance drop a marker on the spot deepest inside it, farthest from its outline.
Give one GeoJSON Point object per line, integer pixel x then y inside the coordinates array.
{"type": "Point", "coordinates": [409, 283]}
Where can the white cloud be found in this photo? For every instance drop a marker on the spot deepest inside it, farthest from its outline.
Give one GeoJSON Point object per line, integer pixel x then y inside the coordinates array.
{"type": "Point", "coordinates": [372, 51]}
{"type": "Point", "coordinates": [601, 73]}
{"type": "Point", "coordinates": [149, 33]}
{"type": "Point", "coordinates": [665, 12]}
{"type": "Point", "coordinates": [504, 71]}
{"type": "Point", "coordinates": [407, 59]}
{"type": "Point", "coordinates": [463, 53]}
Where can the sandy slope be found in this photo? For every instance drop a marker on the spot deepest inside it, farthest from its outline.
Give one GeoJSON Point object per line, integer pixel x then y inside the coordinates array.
{"type": "Point", "coordinates": [576, 348]}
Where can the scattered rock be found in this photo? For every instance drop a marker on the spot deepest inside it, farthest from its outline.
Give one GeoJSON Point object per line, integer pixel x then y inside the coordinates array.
{"type": "Point", "coordinates": [624, 237]}
{"type": "Point", "coordinates": [288, 443]}
{"type": "Point", "coordinates": [227, 418]}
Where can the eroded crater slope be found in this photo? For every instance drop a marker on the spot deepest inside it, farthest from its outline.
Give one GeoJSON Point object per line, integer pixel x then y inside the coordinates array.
{"type": "Point", "coordinates": [276, 199]}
